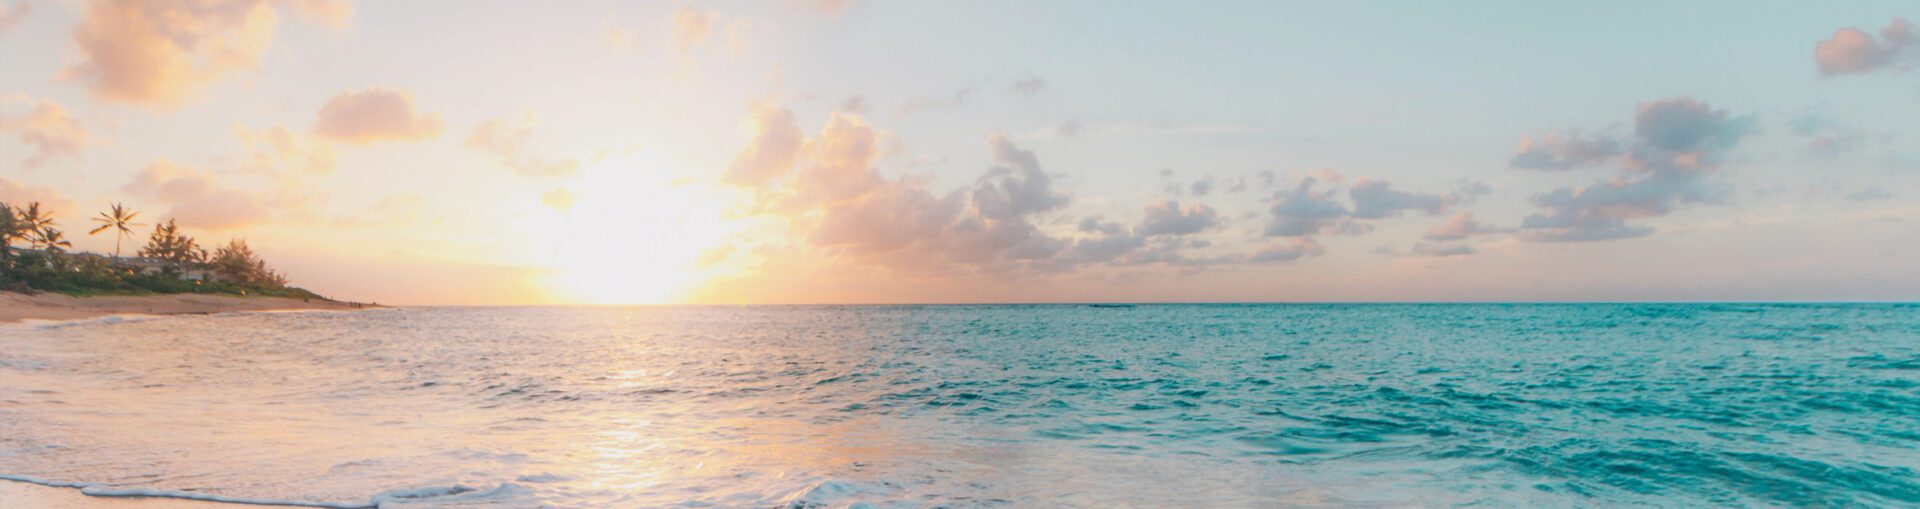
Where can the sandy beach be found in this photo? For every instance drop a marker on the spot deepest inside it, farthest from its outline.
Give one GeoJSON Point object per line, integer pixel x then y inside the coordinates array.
{"type": "Point", "coordinates": [25, 495]}
{"type": "Point", "coordinates": [15, 307]}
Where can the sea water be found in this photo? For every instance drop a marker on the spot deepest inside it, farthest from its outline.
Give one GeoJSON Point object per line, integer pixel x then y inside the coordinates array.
{"type": "Point", "coordinates": [1678, 405]}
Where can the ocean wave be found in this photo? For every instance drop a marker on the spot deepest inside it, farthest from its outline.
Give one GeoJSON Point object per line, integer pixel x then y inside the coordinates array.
{"type": "Point", "coordinates": [433, 495]}
{"type": "Point", "coordinates": [1504, 405]}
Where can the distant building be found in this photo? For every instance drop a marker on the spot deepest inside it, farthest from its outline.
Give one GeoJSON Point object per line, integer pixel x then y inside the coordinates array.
{"type": "Point", "coordinates": [143, 265]}
{"type": "Point", "coordinates": [135, 264]}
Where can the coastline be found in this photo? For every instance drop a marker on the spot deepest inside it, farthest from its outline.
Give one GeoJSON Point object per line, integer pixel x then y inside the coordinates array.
{"type": "Point", "coordinates": [47, 497]}
{"type": "Point", "coordinates": [17, 307]}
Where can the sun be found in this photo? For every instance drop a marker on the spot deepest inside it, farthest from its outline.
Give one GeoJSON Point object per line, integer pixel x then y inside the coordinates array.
{"type": "Point", "coordinates": [633, 233]}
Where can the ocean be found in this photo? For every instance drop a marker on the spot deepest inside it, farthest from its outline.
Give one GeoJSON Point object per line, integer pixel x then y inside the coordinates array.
{"type": "Point", "coordinates": [1283, 405]}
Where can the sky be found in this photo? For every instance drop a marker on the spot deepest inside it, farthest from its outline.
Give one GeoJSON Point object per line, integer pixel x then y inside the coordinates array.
{"type": "Point", "coordinates": [843, 151]}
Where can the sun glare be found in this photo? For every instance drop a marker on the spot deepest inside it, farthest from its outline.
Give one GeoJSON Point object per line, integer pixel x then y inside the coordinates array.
{"type": "Point", "coordinates": [631, 233]}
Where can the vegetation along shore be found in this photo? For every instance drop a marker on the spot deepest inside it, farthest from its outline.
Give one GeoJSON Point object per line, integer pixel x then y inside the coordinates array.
{"type": "Point", "coordinates": [42, 278]}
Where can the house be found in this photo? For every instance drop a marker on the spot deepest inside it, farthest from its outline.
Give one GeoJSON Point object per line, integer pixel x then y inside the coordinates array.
{"type": "Point", "coordinates": [144, 265]}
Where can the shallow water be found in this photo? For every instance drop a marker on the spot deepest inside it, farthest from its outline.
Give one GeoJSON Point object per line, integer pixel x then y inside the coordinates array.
{"type": "Point", "coordinates": [960, 406]}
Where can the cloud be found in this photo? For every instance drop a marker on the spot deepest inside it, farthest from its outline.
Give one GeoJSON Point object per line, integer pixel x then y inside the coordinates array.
{"type": "Point", "coordinates": [717, 255]}
{"type": "Point", "coordinates": [856, 105]}
{"type": "Point", "coordinates": [1677, 142]}
{"type": "Point", "coordinates": [834, 198]}
{"type": "Point", "coordinates": [1165, 217]}
{"type": "Point", "coordinates": [161, 53]}
{"type": "Point", "coordinates": [776, 145]}
{"type": "Point", "coordinates": [507, 142]}
{"type": "Point", "coordinates": [1903, 162]}
{"type": "Point", "coordinates": [51, 131]}
{"type": "Point", "coordinates": [1303, 211]}
{"type": "Point", "coordinates": [1599, 211]}
{"type": "Point", "coordinates": [1831, 146]}
{"type": "Point", "coordinates": [1015, 186]}
{"type": "Point", "coordinates": [1470, 190]}
{"type": "Point", "coordinates": [197, 199]}
{"type": "Point", "coordinates": [1072, 129]}
{"type": "Point", "coordinates": [622, 40]}
{"type": "Point", "coordinates": [374, 115]}
{"type": "Point", "coordinates": [1870, 194]}
{"type": "Point", "coordinates": [1684, 134]}
{"type": "Point", "coordinates": [391, 210]}
{"type": "Point", "coordinates": [1237, 185]}
{"type": "Point", "coordinates": [1460, 227]}
{"type": "Point", "coordinates": [1442, 250]}
{"type": "Point", "coordinates": [828, 7]}
{"type": "Point", "coordinates": [958, 99]}
{"type": "Point", "coordinates": [1027, 86]}
{"type": "Point", "coordinates": [328, 13]}
{"type": "Point", "coordinates": [1828, 139]}
{"type": "Point", "coordinates": [1287, 251]}
{"type": "Point", "coordinates": [559, 199]}
{"type": "Point", "coordinates": [292, 166]}
{"type": "Point", "coordinates": [1078, 129]}
{"type": "Point", "coordinates": [1201, 187]}
{"type": "Point", "coordinates": [1564, 152]}
{"type": "Point", "coordinates": [10, 16]}
{"type": "Point", "coordinates": [279, 148]}
{"type": "Point", "coordinates": [15, 194]}
{"type": "Point", "coordinates": [1374, 199]}
{"type": "Point", "coordinates": [845, 214]}
{"type": "Point", "coordinates": [692, 27]}
{"type": "Point", "coordinates": [1854, 51]}
{"type": "Point", "coordinates": [837, 200]}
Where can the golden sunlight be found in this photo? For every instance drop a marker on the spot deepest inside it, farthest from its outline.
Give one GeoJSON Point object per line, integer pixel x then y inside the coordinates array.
{"type": "Point", "coordinates": [628, 232]}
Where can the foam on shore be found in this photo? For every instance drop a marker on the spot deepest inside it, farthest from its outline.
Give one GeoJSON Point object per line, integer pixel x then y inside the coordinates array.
{"type": "Point", "coordinates": [457, 491]}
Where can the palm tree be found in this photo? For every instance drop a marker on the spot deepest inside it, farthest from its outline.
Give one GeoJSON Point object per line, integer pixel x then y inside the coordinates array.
{"type": "Point", "coordinates": [51, 239]}
{"type": "Point", "coordinates": [9, 231]}
{"type": "Point", "coordinates": [32, 219]}
{"type": "Point", "coordinates": [117, 218]}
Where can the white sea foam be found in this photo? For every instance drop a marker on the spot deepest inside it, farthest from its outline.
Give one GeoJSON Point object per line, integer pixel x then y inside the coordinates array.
{"type": "Point", "coordinates": [424, 494]}
{"type": "Point", "coordinates": [543, 477]}
{"type": "Point", "coordinates": [47, 324]}
{"type": "Point", "coordinates": [101, 491]}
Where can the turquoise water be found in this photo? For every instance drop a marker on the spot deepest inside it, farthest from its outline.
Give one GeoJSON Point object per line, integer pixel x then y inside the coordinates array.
{"type": "Point", "coordinates": [1684, 405]}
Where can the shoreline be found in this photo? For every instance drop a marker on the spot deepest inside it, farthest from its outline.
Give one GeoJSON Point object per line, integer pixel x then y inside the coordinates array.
{"type": "Point", "coordinates": [20, 307]}
{"type": "Point", "coordinates": [30, 494]}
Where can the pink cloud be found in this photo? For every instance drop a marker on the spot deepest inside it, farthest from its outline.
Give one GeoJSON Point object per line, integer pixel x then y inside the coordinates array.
{"type": "Point", "coordinates": [280, 148]}
{"type": "Point", "coordinates": [161, 53]}
{"type": "Point", "coordinates": [15, 194]}
{"type": "Point", "coordinates": [374, 115]}
{"type": "Point", "coordinates": [10, 16]}
{"type": "Point", "coordinates": [828, 7]}
{"type": "Point", "coordinates": [1854, 51]}
{"type": "Point", "coordinates": [197, 199]}
{"type": "Point", "coordinates": [1460, 227]}
{"type": "Point", "coordinates": [776, 145]}
{"type": "Point", "coordinates": [692, 27]}
{"type": "Point", "coordinates": [51, 131]}
{"type": "Point", "coordinates": [507, 142]}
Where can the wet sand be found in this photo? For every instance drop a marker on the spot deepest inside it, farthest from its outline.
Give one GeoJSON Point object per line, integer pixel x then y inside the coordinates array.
{"type": "Point", "coordinates": [15, 307]}
{"type": "Point", "coordinates": [33, 496]}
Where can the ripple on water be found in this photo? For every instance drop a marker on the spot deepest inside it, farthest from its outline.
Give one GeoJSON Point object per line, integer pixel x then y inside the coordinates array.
{"type": "Point", "coordinates": [1199, 405]}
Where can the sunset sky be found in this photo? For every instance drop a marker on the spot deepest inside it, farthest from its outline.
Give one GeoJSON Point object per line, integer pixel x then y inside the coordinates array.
{"type": "Point", "coordinates": [834, 151]}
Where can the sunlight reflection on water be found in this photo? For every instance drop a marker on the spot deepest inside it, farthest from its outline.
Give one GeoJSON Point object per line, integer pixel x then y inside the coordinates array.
{"type": "Point", "coordinates": [982, 405]}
